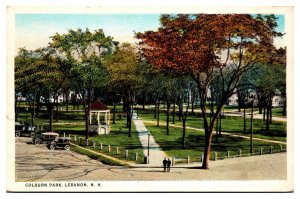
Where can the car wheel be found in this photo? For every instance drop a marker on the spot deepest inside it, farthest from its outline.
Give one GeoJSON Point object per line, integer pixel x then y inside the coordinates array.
{"type": "Point", "coordinates": [18, 134]}
{"type": "Point", "coordinates": [32, 135]}
{"type": "Point", "coordinates": [37, 142]}
{"type": "Point", "coordinates": [51, 147]}
{"type": "Point", "coordinates": [67, 147]}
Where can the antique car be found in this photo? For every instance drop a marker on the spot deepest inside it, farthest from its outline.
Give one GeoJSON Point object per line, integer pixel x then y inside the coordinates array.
{"type": "Point", "coordinates": [23, 130]}
{"type": "Point", "coordinates": [60, 143]}
{"type": "Point", "coordinates": [44, 138]}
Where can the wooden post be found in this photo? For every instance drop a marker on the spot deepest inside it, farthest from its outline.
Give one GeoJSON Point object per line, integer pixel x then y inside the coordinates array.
{"type": "Point", "coordinates": [280, 148]}
{"type": "Point", "coordinates": [75, 138]}
{"type": "Point", "coordinates": [228, 154]}
{"type": "Point", "coordinates": [87, 142]}
{"type": "Point", "coordinates": [126, 154]}
{"type": "Point", "coordinates": [64, 134]}
{"type": "Point", "coordinates": [215, 156]}
{"type": "Point", "coordinates": [240, 153]}
{"type": "Point", "coordinates": [271, 149]}
{"type": "Point", "coordinates": [117, 151]}
{"type": "Point", "coordinates": [136, 156]}
{"type": "Point", "coordinates": [94, 144]}
{"type": "Point", "coordinates": [69, 135]}
{"type": "Point", "coordinates": [79, 141]}
{"type": "Point", "coordinates": [261, 151]}
{"type": "Point", "coordinates": [108, 148]}
{"type": "Point", "coordinates": [101, 146]}
{"type": "Point", "coordinates": [173, 161]}
{"type": "Point", "coordinates": [188, 159]}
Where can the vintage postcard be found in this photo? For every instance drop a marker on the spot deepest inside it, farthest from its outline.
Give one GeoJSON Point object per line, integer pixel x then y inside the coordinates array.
{"type": "Point", "coordinates": [150, 99]}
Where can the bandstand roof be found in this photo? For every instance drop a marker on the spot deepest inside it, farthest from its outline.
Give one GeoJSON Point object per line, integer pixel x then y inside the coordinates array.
{"type": "Point", "coordinates": [98, 106]}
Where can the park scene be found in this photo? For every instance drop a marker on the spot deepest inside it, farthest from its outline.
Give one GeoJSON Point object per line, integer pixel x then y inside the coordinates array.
{"type": "Point", "coordinates": [150, 97]}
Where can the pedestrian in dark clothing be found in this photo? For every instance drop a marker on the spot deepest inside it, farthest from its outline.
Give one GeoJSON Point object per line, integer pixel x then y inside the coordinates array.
{"type": "Point", "coordinates": [168, 164]}
{"type": "Point", "coordinates": [165, 164]}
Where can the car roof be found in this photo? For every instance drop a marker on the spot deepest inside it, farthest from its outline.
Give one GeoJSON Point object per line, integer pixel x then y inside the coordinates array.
{"type": "Point", "coordinates": [64, 138]}
{"type": "Point", "coordinates": [50, 133]}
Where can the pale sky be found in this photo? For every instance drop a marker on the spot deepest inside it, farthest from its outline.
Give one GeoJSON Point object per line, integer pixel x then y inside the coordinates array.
{"type": "Point", "coordinates": [33, 30]}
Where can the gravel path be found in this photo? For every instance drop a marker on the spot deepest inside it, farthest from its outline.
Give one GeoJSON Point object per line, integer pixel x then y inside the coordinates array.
{"type": "Point", "coordinates": [156, 155]}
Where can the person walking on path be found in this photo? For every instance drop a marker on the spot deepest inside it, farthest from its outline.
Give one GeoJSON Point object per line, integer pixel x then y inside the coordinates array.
{"type": "Point", "coordinates": [169, 164]}
{"type": "Point", "coordinates": [165, 164]}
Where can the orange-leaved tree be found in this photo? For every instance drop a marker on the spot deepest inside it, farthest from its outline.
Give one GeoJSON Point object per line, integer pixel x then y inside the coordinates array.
{"type": "Point", "coordinates": [209, 47]}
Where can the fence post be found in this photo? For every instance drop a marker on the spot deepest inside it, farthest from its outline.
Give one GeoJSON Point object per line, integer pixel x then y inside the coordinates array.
{"type": "Point", "coordinates": [79, 141]}
{"type": "Point", "coordinates": [228, 154]}
{"type": "Point", "coordinates": [215, 156]}
{"type": "Point", "coordinates": [271, 149]}
{"type": "Point", "coordinates": [188, 159]}
{"type": "Point", "coordinates": [108, 148]}
{"type": "Point", "coordinates": [240, 153]}
{"type": "Point", "coordinates": [136, 156]}
{"type": "Point", "coordinates": [280, 148]}
{"type": "Point", "coordinates": [126, 154]}
{"type": "Point", "coordinates": [94, 144]}
{"type": "Point", "coordinates": [87, 142]}
{"type": "Point", "coordinates": [117, 151]}
{"type": "Point", "coordinates": [261, 151]}
{"type": "Point", "coordinates": [75, 138]}
{"type": "Point", "coordinates": [101, 146]}
{"type": "Point", "coordinates": [69, 135]}
{"type": "Point", "coordinates": [173, 161]}
{"type": "Point", "coordinates": [64, 134]}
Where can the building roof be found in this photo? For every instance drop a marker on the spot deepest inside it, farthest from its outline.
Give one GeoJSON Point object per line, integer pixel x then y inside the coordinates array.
{"type": "Point", "coordinates": [98, 106]}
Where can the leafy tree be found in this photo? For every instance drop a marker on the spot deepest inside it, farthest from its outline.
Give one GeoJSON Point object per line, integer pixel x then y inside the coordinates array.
{"type": "Point", "coordinates": [39, 71]}
{"type": "Point", "coordinates": [124, 74]}
{"type": "Point", "coordinates": [208, 47]}
{"type": "Point", "coordinates": [85, 51]}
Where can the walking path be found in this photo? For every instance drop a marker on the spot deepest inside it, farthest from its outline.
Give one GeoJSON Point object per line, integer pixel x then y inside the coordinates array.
{"type": "Point", "coordinates": [156, 155]}
{"type": "Point", "coordinates": [224, 133]}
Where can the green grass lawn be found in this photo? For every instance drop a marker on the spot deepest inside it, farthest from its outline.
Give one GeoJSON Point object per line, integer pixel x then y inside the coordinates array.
{"type": "Point", "coordinates": [73, 123]}
{"type": "Point", "coordinates": [230, 124]}
{"type": "Point", "coordinates": [194, 143]}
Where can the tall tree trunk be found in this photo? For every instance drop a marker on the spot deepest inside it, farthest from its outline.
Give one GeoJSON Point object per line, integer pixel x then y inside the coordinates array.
{"type": "Point", "coordinates": [114, 113]}
{"type": "Point", "coordinates": [56, 112]}
{"type": "Point", "coordinates": [144, 100]}
{"type": "Point", "coordinates": [268, 120]}
{"type": "Point", "coordinates": [180, 111]}
{"type": "Point", "coordinates": [184, 117]}
{"type": "Point", "coordinates": [168, 116]}
{"type": "Point", "coordinates": [88, 112]}
{"type": "Point", "coordinates": [284, 107]}
{"type": "Point", "coordinates": [158, 113]}
{"type": "Point", "coordinates": [217, 131]}
{"type": "Point", "coordinates": [155, 109]}
{"type": "Point", "coordinates": [251, 129]}
{"type": "Point", "coordinates": [270, 107]}
{"type": "Point", "coordinates": [173, 113]}
{"type": "Point", "coordinates": [264, 113]}
{"type": "Point", "coordinates": [220, 126]}
{"type": "Point", "coordinates": [38, 104]}
{"type": "Point", "coordinates": [244, 120]}
{"type": "Point", "coordinates": [50, 110]}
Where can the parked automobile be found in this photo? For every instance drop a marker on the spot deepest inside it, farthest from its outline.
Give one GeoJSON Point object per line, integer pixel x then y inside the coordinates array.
{"type": "Point", "coordinates": [60, 143]}
{"type": "Point", "coordinates": [44, 138]}
{"type": "Point", "coordinates": [23, 130]}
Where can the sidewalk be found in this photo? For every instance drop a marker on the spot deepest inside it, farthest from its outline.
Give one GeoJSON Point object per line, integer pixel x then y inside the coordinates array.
{"type": "Point", "coordinates": [156, 155]}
